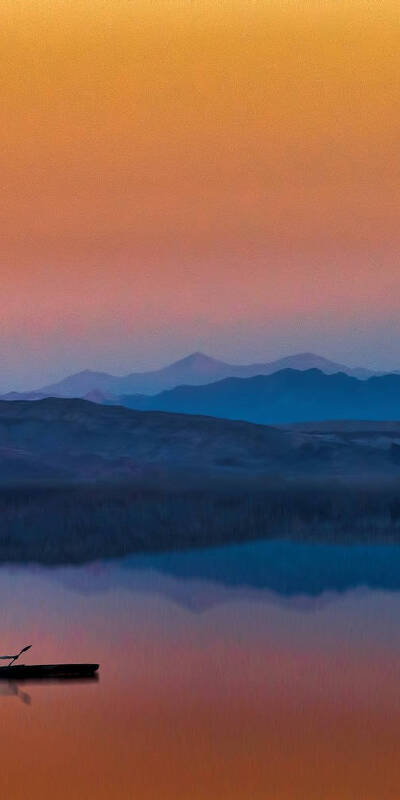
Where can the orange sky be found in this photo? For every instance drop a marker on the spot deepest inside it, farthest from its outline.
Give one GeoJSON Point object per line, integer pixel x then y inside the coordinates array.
{"type": "Point", "coordinates": [193, 174]}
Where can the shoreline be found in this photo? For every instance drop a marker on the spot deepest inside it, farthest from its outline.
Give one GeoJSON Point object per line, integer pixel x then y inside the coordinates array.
{"type": "Point", "coordinates": [79, 524]}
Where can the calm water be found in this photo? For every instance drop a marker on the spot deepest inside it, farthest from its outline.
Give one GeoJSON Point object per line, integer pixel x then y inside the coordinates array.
{"type": "Point", "coordinates": [264, 672]}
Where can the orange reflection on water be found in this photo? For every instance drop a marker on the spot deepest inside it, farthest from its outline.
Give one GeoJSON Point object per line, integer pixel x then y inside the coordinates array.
{"type": "Point", "coordinates": [247, 701]}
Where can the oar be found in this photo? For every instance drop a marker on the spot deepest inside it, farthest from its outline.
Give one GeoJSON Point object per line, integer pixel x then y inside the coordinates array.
{"type": "Point", "coordinates": [11, 659]}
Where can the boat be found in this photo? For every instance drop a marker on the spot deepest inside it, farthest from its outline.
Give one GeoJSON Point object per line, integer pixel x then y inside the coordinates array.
{"type": "Point", "coordinates": [55, 671]}
{"type": "Point", "coordinates": [38, 671]}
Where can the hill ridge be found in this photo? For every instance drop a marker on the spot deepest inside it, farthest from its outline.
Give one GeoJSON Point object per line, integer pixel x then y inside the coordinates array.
{"type": "Point", "coordinates": [283, 397]}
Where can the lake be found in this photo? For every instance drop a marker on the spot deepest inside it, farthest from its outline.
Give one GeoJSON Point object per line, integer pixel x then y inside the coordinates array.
{"type": "Point", "coordinates": [268, 671]}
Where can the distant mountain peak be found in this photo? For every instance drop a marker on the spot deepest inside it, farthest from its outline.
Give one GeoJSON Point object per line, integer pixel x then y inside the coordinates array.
{"type": "Point", "coordinates": [196, 358]}
{"type": "Point", "coordinates": [198, 354]}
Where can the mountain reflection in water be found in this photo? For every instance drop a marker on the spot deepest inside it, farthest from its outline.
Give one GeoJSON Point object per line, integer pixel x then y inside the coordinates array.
{"type": "Point", "coordinates": [262, 671]}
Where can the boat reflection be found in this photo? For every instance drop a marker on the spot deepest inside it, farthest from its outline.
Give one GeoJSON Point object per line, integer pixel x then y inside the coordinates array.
{"type": "Point", "coordinates": [12, 688]}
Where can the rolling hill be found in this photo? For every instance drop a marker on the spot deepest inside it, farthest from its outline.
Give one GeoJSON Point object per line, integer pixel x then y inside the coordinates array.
{"type": "Point", "coordinates": [64, 440]}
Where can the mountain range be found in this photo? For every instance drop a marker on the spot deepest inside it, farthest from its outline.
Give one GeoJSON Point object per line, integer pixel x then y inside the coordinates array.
{"type": "Point", "coordinates": [196, 369]}
{"type": "Point", "coordinates": [283, 397]}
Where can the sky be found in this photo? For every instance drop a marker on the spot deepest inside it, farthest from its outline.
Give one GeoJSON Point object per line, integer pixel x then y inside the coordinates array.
{"type": "Point", "coordinates": [210, 175]}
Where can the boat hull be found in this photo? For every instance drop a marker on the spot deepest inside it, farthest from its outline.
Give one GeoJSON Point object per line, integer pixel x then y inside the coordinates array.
{"type": "Point", "coordinates": [58, 671]}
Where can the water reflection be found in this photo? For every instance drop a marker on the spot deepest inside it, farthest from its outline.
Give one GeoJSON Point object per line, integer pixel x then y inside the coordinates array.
{"type": "Point", "coordinates": [11, 689]}
{"type": "Point", "coordinates": [263, 672]}
{"type": "Point", "coordinates": [291, 573]}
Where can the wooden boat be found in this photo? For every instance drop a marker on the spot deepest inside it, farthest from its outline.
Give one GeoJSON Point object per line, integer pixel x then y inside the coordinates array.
{"type": "Point", "coordinates": [18, 672]}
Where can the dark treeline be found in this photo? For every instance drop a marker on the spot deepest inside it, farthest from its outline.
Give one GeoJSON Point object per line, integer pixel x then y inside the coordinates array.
{"type": "Point", "coordinates": [59, 524]}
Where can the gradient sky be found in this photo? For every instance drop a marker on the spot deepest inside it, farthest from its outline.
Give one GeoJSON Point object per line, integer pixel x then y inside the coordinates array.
{"type": "Point", "coordinates": [197, 174]}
